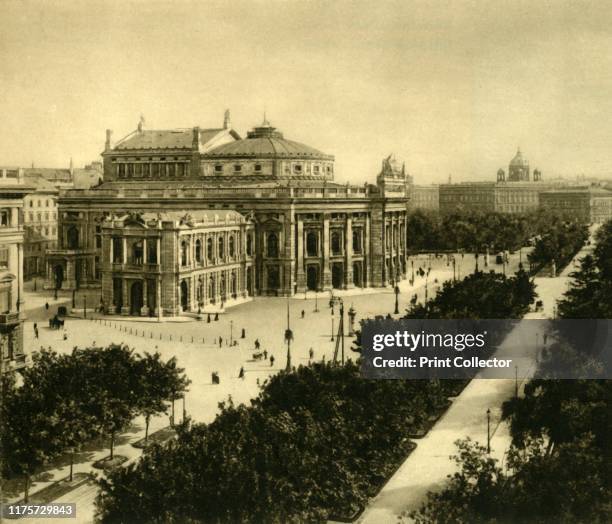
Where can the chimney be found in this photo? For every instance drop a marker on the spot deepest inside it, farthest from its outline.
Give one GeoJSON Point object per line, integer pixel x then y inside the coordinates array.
{"type": "Point", "coordinates": [109, 134]}
{"type": "Point", "coordinates": [227, 123]}
{"type": "Point", "coordinates": [71, 167]}
{"type": "Point", "coordinates": [195, 144]}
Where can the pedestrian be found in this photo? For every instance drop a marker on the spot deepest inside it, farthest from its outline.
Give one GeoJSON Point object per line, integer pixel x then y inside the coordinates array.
{"type": "Point", "coordinates": [271, 360]}
{"type": "Point", "coordinates": [216, 317]}
{"type": "Point", "coordinates": [47, 306]}
{"type": "Point", "coordinates": [35, 330]}
{"type": "Point", "coordinates": [65, 336]}
{"type": "Point", "coordinates": [310, 353]}
{"type": "Point", "coordinates": [241, 373]}
{"type": "Point", "coordinates": [243, 333]}
{"type": "Point", "coordinates": [208, 319]}
{"type": "Point", "coordinates": [257, 343]}
{"type": "Point", "coordinates": [220, 341]}
{"type": "Point", "coordinates": [265, 354]}
{"type": "Point", "coordinates": [303, 313]}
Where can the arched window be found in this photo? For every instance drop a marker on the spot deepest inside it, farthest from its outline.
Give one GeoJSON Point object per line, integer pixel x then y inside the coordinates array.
{"type": "Point", "coordinates": [184, 249]}
{"type": "Point", "coordinates": [336, 243]}
{"type": "Point", "coordinates": [209, 249]}
{"type": "Point", "coordinates": [312, 244]}
{"type": "Point", "coordinates": [198, 251]}
{"type": "Point", "coordinates": [221, 243]}
{"type": "Point", "coordinates": [72, 237]}
{"type": "Point", "coordinates": [356, 240]}
{"type": "Point", "coordinates": [231, 246]}
{"type": "Point", "coordinates": [272, 245]}
{"type": "Point", "coordinates": [249, 245]}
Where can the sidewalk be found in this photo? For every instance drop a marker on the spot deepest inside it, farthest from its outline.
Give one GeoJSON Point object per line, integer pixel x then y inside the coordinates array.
{"type": "Point", "coordinates": [427, 467]}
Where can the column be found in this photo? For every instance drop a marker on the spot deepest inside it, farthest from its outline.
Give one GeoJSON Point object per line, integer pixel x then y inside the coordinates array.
{"type": "Point", "coordinates": [158, 297]}
{"type": "Point", "coordinates": [145, 291]}
{"type": "Point", "coordinates": [111, 250]}
{"type": "Point", "coordinates": [124, 250]}
{"type": "Point", "coordinates": [159, 251]}
{"type": "Point", "coordinates": [125, 307]}
{"type": "Point", "coordinates": [145, 254]}
{"type": "Point", "coordinates": [300, 277]}
{"type": "Point", "coordinates": [325, 267]}
{"type": "Point", "coordinates": [348, 252]}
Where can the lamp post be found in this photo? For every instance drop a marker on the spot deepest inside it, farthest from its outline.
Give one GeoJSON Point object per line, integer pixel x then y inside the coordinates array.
{"type": "Point", "coordinates": [454, 269]}
{"type": "Point", "coordinates": [516, 387]}
{"type": "Point", "coordinates": [351, 315]}
{"type": "Point", "coordinates": [288, 339]}
{"type": "Point", "coordinates": [316, 309]}
{"type": "Point", "coordinates": [332, 329]}
{"type": "Point", "coordinates": [74, 299]}
{"type": "Point", "coordinates": [231, 332]}
{"type": "Point", "coordinates": [84, 306]}
{"type": "Point", "coordinates": [397, 292]}
{"type": "Point", "coordinates": [488, 430]}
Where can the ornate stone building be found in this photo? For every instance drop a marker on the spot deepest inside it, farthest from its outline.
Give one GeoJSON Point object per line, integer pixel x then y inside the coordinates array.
{"type": "Point", "coordinates": [181, 261]}
{"type": "Point", "coordinates": [12, 193]}
{"type": "Point", "coordinates": [516, 193]}
{"type": "Point", "coordinates": [308, 232]}
{"type": "Point", "coordinates": [590, 204]}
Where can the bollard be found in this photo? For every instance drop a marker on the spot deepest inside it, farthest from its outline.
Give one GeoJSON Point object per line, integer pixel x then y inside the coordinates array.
{"type": "Point", "coordinates": [192, 339]}
{"type": "Point", "coordinates": [160, 336]}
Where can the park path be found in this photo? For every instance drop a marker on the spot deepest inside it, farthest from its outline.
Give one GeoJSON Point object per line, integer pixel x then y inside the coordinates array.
{"type": "Point", "coordinates": [427, 467]}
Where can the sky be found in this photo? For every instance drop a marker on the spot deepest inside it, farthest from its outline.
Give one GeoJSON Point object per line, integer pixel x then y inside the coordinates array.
{"type": "Point", "coordinates": [450, 88]}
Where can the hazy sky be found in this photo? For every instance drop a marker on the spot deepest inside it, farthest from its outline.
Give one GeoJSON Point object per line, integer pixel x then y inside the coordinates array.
{"type": "Point", "coordinates": [449, 87]}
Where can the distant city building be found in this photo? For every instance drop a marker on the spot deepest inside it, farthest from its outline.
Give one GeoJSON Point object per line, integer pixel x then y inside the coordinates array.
{"type": "Point", "coordinates": [308, 232]}
{"type": "Point", "coordinates": [515, 193]}
{"type": "Point", "coordinates": [424, 197]}
{"type": "Point", "coordinates": [12, 193]}
{"type": "Point", "coordinates": [40, 221]}
{"type": "Point", "coordinates": [589, 204]}
{"type": "Point", "coordinates": [71, 177]}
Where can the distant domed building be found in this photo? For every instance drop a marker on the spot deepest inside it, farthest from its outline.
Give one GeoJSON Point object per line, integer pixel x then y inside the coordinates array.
{"type": "Point", "coordinates": [518, 170]}
{"type": "Point", "coordinates": [190, 218]}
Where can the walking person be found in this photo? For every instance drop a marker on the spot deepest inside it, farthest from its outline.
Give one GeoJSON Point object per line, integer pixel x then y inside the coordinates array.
{"type": "Point", "coordinates": [35, 330]}
{"type": "Point", "coordinates": [303, 313]}
{"type": "Point", "coordinates": [271, 360]}
{"type": "Point", "coordinates": [241, 373]}
{"type": "Point", "coordinates": [47, 306]}
{"type": "Point", "coordinates": [257, 344]}
{"type": "Point", "coordinates": [220, 341]}
{"type": "Point", "coordinates": [310, 354]}
{"type": "Point", "coordinates": [265, 353]}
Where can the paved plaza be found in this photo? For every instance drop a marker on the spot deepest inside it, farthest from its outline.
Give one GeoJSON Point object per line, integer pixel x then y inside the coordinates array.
{"type": "Point", "coordinates": [196, 346]}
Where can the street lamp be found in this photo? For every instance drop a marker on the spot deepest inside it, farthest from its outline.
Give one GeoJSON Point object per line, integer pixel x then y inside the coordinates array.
{"type": "Point", "coordinates": [397, 292]}
{"type": "Point", "coordinates": [74, 299]}
{"type": "Point", "coordinates": [316, 309]}
{"type": "Point", "coordinates": [351, 314]}
{"type": "Point", "coordinates": [332, 330]}
{"type": "Point", "coordinates": [288, 339]}
{"type": "Point", "coordinates": [231, 332]}
{"type": "Point", "coordinates": [516, 387]}
{"type": "Point", "coordinates": [488, 430]}
{"type": "Point", "coordinates": [84, 306]}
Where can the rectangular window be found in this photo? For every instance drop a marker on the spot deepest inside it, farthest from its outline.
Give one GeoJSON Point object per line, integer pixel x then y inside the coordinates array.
{"type": "Point", "coordinates": [4, 257]}
{"type": "Point", "coordinates": [5, 217]}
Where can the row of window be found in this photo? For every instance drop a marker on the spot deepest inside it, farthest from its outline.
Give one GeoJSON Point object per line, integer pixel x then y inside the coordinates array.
{"type": "Point", "coordinates": [52, 215]}
{"type": "Point", "coordinates": [210, 249]}
{"type": "Point", "coordinates": [45, 230]}
{"type": "Point", "coordinates": [336, 244]}
{"type": "Point", "coordinates": [129, 170]}
{"type": "Point", "coordinates": [48, 203]}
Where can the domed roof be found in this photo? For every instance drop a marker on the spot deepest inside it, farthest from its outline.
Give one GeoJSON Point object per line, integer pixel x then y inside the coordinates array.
{"type": "Point", "coordinates": [518, 160]}
{"type": "Point", "coordinates": [266, 141]}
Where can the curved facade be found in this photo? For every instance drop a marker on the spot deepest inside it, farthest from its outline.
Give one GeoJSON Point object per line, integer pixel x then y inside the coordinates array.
{"type": "Point", "coordinates": [308, 232]}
